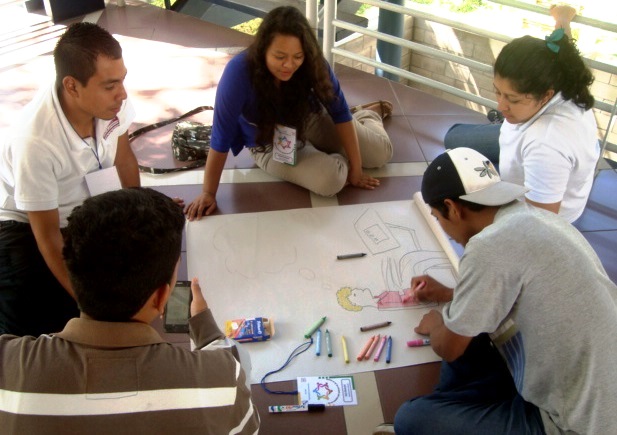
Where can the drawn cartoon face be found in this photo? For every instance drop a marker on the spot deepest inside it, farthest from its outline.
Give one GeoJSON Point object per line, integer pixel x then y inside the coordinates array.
{"type": "Point", "coordinates": [362, 297]}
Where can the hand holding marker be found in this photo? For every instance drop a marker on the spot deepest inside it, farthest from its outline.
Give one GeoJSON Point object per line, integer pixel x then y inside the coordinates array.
{"type": "Point", "coordinates": [412, 294]}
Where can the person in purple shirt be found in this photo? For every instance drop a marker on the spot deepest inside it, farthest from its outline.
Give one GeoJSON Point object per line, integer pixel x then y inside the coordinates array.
{"type": "Point", "coordinates": [282, 101]}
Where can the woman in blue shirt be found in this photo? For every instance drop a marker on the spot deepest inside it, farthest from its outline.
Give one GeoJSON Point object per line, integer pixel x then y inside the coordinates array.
{"type": "Point", "coordinates": [282, 101]}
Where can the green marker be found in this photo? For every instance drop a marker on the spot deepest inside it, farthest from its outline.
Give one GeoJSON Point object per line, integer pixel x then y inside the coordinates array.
{"type": "Point", "coordinates": [314, 328]}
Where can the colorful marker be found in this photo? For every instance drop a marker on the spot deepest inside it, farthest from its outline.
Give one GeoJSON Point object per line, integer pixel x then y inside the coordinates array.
{"type": "Point", "coordinates": [380, 348]}
{"type": "Point", "coordinates": [328, 344]}
{"type": "Point", "coordinates": [314, 328]}
{"type": "Point", "coordinates": [276, 409]}
{"type": "Point", "coordinates": [412, 293]}
{"type": "Point", "coordinates": [389, 350]}
{"type": "Point", "coordinates": [318, 343]}
{"type": "Point", "coordinates": [365, 349]}
{"type": "Point", "coordinates": [419, 342]}
{"type": "Point", "coordinates": [370, 350]}
{"type": "Point", "coordinates": [348, 256]}
{"type": "Point", "coordinates": [374, 326]}
{"type": "Point", "coordinates": [345, 354]}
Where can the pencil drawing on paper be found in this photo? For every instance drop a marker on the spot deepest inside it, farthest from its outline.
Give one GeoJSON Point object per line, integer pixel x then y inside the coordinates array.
{"type": "Point", "coordinates": [253, 259]}
{"type": "Point", "coordinates": [402, 258]}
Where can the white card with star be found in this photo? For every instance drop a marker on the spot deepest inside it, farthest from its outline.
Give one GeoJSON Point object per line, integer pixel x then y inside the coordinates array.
{"type": "Point", "coordinates": [327, 390]}
{"type": "Point", "coordinates": [284, 144]}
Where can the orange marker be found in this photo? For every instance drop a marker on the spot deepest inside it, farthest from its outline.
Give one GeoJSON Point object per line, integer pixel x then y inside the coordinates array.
{"type": "Point", "coordinates": [368, 344]}
{"type": "Point", "coordinates": [373, 346]}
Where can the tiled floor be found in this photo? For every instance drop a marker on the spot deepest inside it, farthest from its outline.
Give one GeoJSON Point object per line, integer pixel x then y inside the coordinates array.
{"type": "Point", "coordinates": [174, 63]}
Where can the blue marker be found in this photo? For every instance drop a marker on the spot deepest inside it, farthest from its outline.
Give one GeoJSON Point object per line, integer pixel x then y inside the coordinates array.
{"type": "Point", "coordinates": [328, 343]}
{"type": "Point", "coordinates": [318, 342]}
{"type": "Point", "coordinates": [389, 350]}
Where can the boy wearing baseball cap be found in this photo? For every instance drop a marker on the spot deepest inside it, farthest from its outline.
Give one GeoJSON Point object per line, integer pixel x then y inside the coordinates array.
{"type": "Point", "coordinates": [528, 333]}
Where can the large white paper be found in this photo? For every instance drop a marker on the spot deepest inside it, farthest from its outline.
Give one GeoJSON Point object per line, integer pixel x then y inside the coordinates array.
{"type": "Point", "coordinates": [283, 265]}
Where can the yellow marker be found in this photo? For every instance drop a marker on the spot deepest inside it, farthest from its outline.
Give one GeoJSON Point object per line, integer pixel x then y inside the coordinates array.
{"type": "Point", "coordinates": [345, 353]}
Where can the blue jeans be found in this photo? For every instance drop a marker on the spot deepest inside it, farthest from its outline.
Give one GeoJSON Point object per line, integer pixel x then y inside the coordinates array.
{"type": "Point", "coordinates": [32, 301]}
{"type": "Point", "coordinates": [483, 138]}
{"type": "Point", "coordinates": [475, 395]}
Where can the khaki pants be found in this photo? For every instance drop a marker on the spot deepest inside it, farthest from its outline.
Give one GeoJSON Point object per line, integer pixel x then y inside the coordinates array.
{"type": "Point", "coordinates": [321, 165]}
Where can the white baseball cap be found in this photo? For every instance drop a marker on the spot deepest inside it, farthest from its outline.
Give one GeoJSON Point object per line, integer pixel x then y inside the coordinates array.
{"type": "Point", "coordinates": [466, 174]}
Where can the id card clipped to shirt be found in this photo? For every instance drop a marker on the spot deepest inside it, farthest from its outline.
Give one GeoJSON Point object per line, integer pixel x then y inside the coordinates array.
{"type": "Point", "coordinates": [103, 180]}
{"type": "Point", "coordinates": [284, 145]}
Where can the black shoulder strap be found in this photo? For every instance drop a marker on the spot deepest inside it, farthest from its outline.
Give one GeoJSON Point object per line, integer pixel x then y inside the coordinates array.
{"type": "Point", "coordinates": [147, 128]}
{"type": "Point", "coordinates": [151, 127]}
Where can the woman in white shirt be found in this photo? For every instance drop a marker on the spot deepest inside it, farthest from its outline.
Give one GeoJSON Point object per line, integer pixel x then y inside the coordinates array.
{"type": "Point", "coordinates": [548, 140]}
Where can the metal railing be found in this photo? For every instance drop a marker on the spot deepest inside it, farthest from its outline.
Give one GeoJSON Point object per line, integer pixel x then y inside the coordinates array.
{"type": "Point", "coordinates": [330, 23]}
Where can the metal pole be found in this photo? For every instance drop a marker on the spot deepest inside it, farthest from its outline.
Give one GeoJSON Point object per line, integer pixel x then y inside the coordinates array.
{"type": "Point", "coordinates": [390, 23]}
{"type": "Point", "coordinates": [311, 14]}
{"type": "Point", "coordinates": [328, 29]}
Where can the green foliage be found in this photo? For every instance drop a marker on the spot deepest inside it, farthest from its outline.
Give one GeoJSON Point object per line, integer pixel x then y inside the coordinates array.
{"type": "Point", "coordinates": [424, 2]}
{"type": "Point", "coordinates": [249, 27]}
{"type": "Point", "coordinates": [159, 3]}
{"type": "Point", "coordinates": [466, 6]}
{"type": "Point", "coordinates": [362, 9]}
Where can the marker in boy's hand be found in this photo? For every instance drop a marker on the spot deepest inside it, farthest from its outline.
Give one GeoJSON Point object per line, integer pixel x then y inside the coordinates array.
{"type": "Point", "coordinates": [412, 293]}
{"type": "Point", "coordinates": [198, 304]}
{"type": "Point", "coordinates": [424, 288]}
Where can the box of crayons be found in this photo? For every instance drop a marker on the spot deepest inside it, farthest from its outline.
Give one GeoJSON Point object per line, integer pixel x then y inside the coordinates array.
{"type": "Point", "coordinates": [250, 329]}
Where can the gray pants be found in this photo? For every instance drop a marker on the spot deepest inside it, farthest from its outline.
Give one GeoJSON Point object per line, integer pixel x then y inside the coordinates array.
{"type": "Point", "coordinates": [321, 165]}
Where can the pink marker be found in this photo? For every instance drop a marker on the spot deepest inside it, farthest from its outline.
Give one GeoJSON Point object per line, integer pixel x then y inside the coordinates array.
{"type": "Point", "coordinates": [411, 294]}
{"type": "Point", "coordinates": [420, 342]}
{"type": "Point", "coordinates": [380, 348]}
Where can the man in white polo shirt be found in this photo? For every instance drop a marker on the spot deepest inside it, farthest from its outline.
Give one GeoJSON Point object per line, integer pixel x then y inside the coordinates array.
{"type": "Point", "coordinates": [69, 143]}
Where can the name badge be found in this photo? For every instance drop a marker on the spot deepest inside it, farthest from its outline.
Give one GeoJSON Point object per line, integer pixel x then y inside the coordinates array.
{"type": "Point", "coordinates": [284, 145]}
{"type": "Point", "coordinates": [103, 180]}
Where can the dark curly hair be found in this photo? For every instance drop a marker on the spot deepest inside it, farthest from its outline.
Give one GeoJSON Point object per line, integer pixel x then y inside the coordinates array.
{"type": "Point", "coordinates": [295, 94]}
{"type": "Point", "coordinates": [534, 69]}
{"type": "Point", "coordinates": [78, 48]}
{"type": "Point", "coordinates": [119, 247]}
